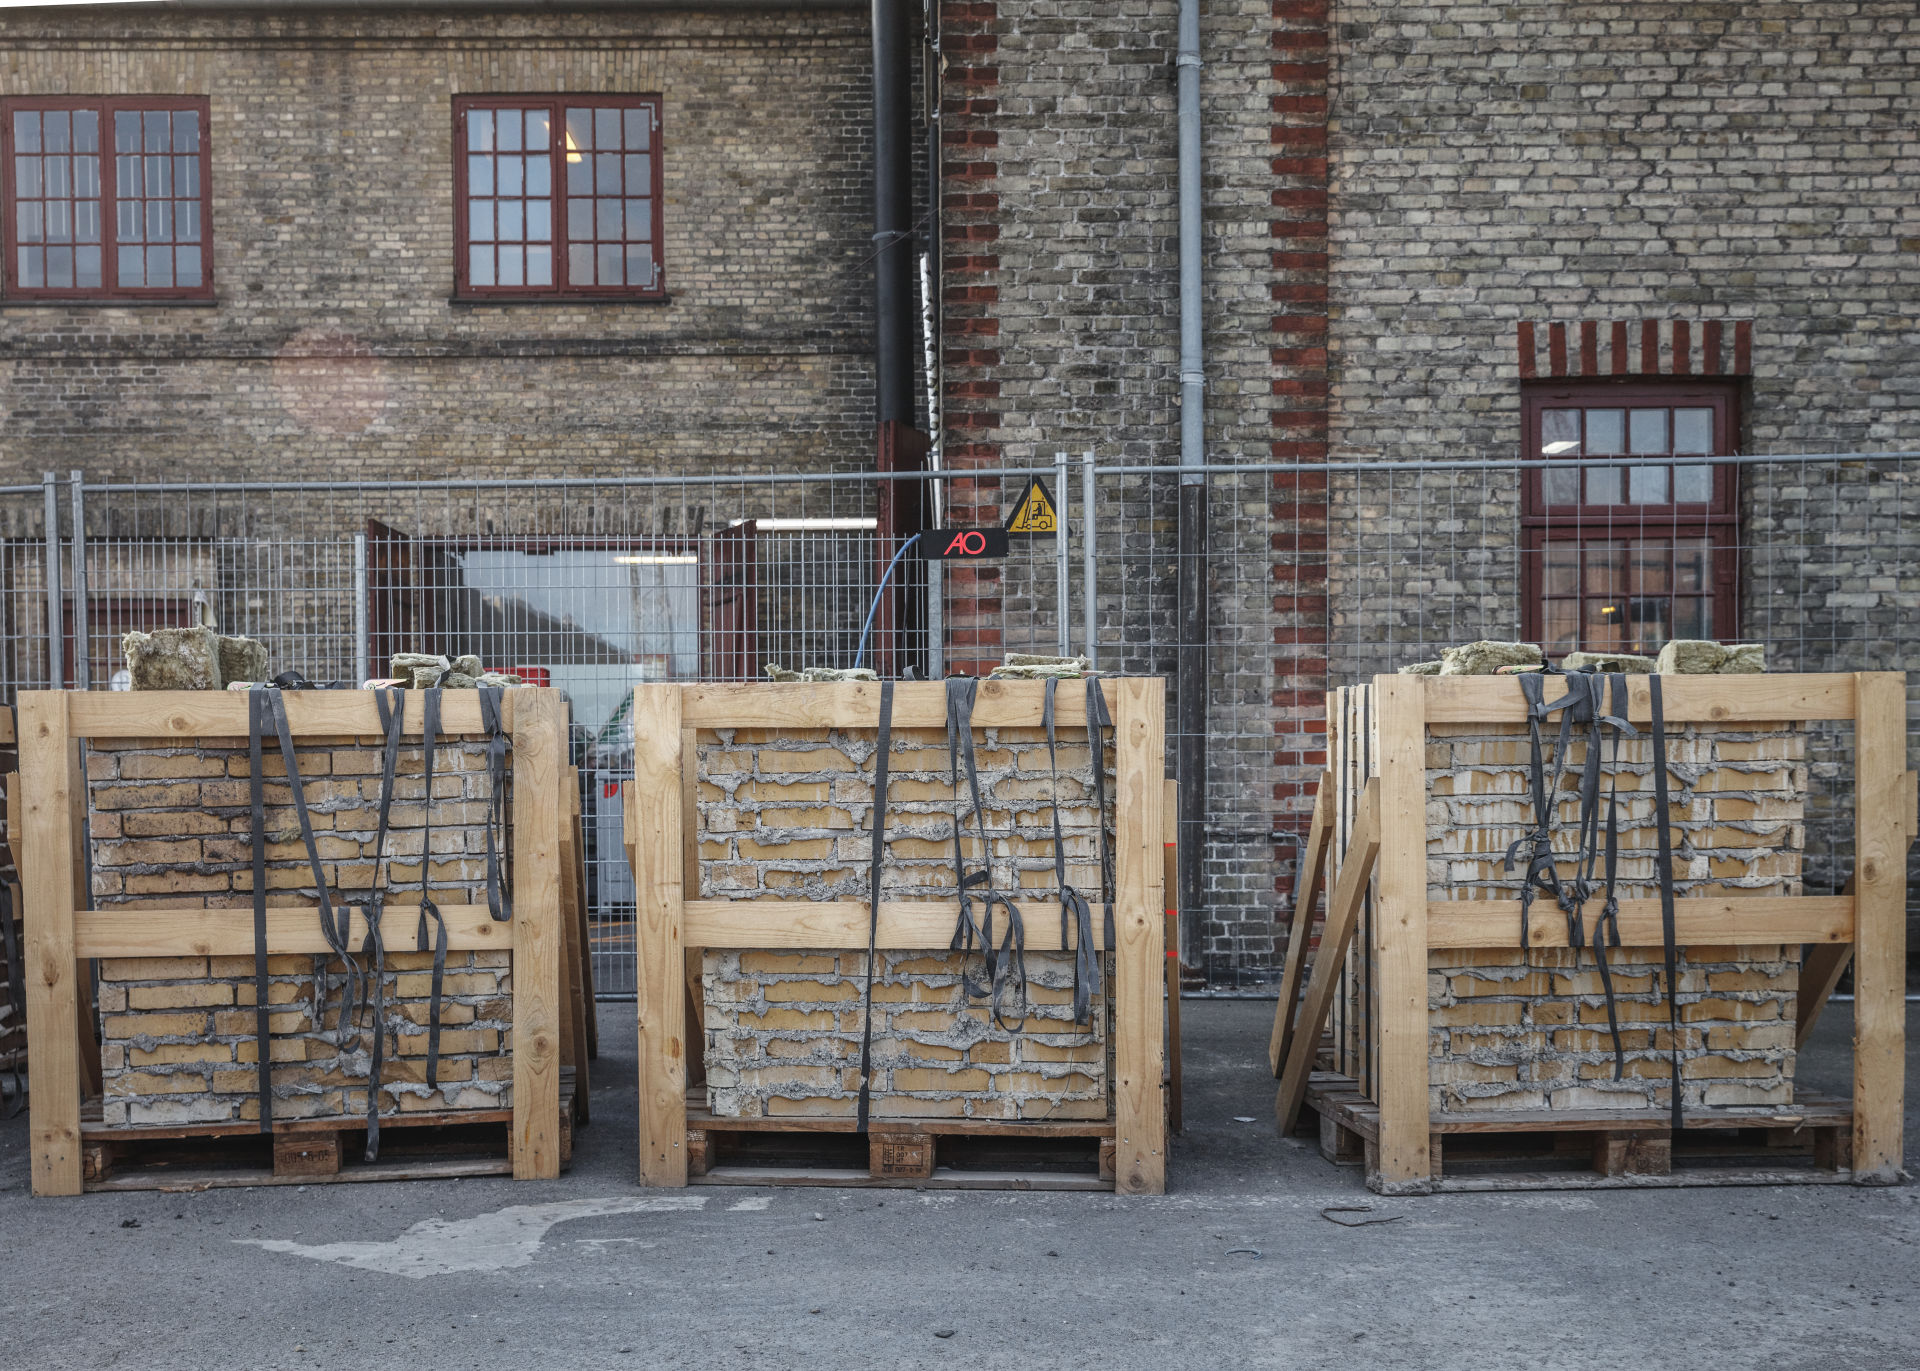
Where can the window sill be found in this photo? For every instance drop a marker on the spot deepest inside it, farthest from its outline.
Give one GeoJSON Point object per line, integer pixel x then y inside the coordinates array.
{"type": "Point", "coordinates": [509, 301]}
{"type": "Point", "coordinates": [111, 302]}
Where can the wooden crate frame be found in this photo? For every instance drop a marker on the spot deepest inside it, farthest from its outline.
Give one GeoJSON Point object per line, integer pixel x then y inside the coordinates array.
{"type": "Point", "coordinates": [1871, 918]}
{"type": "Point", "coordinates": [665, 717]}
{"type": "Point", "coordinates": [61, 933]}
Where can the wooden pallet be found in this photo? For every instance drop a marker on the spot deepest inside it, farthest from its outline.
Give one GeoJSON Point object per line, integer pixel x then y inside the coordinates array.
{"type": "Point", "coordinates": [1810, 1143]}
{"type": "Point", "coordinates": [211, 1156]}
{"type": "Point", "coordinates": [931, 1154]}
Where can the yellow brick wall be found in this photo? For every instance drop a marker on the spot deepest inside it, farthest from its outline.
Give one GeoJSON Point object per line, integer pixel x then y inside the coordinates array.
{"type": "Point", "coordinates": [790, 814]}
{"type": "Point", "coordinates": [1514, 1031]}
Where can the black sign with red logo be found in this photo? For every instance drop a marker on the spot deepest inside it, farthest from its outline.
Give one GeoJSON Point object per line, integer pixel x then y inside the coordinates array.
{"type": "Point", "coordinates": [962, 544]}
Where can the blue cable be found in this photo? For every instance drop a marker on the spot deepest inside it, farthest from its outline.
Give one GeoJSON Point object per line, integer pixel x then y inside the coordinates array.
{"type": "Point", "coordinates": [866, 630]}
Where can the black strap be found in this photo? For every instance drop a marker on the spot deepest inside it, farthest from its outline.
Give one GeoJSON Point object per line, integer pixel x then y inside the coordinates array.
{"type": "Point", "coordinates": [430, 731]}
{"type": "Point", "coordinates": [883, 747]}
{"type": "Point", "coordinates": [1074, 910]}
{"type": "Point", "coordinates": [392, 706]}
{"type": "Point", "coordinates": [258, 722]}
{"type": "Point", "coordinates": [1606, 929]}
{"type": "Point", "coordinates": [499, 901]}
{"type": "Point", "coordinates": [1663, 824]}
{"type": "Point", "coordinates": [1007, 966]}
{"type": "Point", "coordinates": [1099, 721]}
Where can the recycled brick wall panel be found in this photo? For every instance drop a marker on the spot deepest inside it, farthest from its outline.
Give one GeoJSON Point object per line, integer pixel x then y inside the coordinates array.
{"type": "Point", "coordinates": [170, 826]}
{"type": "Point", "coordinates": [1510, 1030]}
{"type": "Point", "coordinates": [789, 815]}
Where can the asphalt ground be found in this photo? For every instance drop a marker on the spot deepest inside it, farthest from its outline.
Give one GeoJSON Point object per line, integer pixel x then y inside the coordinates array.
{"type": "Point", "coordinates": [1236, 1267]}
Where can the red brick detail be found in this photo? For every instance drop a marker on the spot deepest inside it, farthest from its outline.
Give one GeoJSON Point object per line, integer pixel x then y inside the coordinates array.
{"type": "Point", "coordinates": [1557, 349]}
{"type": "Point", "coordinates": [1682, 347]}
{"type": "Point", "coordinates": [1649, 347]}
{"type": "Point", "coordinates": [1529, 351]}
{"type": "Point", "coordinates": [1710, 348]}
{"type": "Point", "coordinates": [1619, 347]}
{"type": "Point", "coordinates": [1589, 348]}
{"type": "Point", "coordinates": [1676, 334]}
{"type": "Point", "coordinates": [1743, 348]}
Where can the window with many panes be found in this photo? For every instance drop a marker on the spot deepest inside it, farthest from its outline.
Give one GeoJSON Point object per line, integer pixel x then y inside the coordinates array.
{"type": "Point", "coordinates": [106, 199]}
{"type": "Point", "coordinates": [558, 196]}
{"type": "Point", "coordinates": [1622, 557]}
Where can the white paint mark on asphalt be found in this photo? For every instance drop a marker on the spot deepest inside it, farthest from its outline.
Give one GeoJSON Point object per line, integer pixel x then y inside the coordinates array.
{"type": "Point", "coordinates": [753, 1204]}
{"type": "Point", "coordinates": [506, 1238]}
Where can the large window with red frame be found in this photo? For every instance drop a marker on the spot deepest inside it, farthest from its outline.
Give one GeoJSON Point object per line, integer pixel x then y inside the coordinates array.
{"type": "Point", "coordinates": [106, 198]}
{"type": "Point", "coordinates": [1623, 556]}
{"type": "Point", "coordinates": [558, 197]}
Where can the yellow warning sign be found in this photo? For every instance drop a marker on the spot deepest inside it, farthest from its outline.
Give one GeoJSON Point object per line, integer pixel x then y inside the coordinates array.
{"type": "Point", "coordinates": [1035, 514]}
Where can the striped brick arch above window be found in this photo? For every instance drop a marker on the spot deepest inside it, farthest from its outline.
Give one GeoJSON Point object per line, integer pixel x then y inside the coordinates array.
{"type": "Point", "coordinates": [1646, 347]}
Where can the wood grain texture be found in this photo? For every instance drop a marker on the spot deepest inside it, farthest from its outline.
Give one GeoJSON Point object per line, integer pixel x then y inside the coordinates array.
{"type": "Point", "coordinates": [1400, 930]}
{"type": "Point", "coordinates": [1306, 891]}
{"type": "Point", "coordinates": [905, 925]}
{"type": "Point", "coordinates": [223, 713]}
{"type": "Point", "coordinates": [539, 758]}
{"type": "Point", "coordinates": [1880, 844]}
{"type": "Point", "coordinates": [48, 843]}
{"type": "Point", "coordinates": [1712, 919]}
{"type": "Point", "coordinates": [573, 1023]}
{"type": "Point", "coordinates": [694, 961]}
{"type": "Point", "coordinates": [1170, 886]}
{"type": "Point", "coordinates": [1687, 699]}
{"type": "Point", "coordinates": [856, 704]}
{"type": "Point", "coordinates": [1140, 1114]}
{"type": "Point", "coordinates": [187, 932]}
{"type": "Point", "coordinates": [654, 823]}
{"type": "Point", "coordinates": [1329, 963]}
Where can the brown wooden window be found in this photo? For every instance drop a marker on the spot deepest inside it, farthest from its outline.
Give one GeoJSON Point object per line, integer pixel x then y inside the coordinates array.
{"type": "Point", "coordinates": [558, 197]}
{"type": "Point", "coordinates": [1622, 558]}
{"type": "Point", "coordinates": [107, 199]}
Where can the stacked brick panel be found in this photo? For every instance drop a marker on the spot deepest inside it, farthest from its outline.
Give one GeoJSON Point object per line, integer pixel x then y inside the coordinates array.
{"type": "Point", "coordinates": [1529, 1030]}
{"type": "Point", "coordinates": [790, 815]}
{"type": "Point", "coordinates": [170, 827]}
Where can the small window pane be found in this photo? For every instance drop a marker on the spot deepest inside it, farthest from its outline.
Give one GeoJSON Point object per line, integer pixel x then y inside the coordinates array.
{"type": "Point", "coordinates": [610, 261]}
{"type": "Point", "coordinates": [33, 268]}
{"type": "Point", "coordinates": [480, 220]}
{"type": "Point", "coordinates": [187, 266]}
{"type": "Point", "coordinates": [1647, 431]}
{"type": "Point", "coordinates": [1562, 485]}
{"type": "Point", "coordinates": [479, 130]}
{"type": "Point", "coordinates": [639, 129]}
{"type": "Point", "coordinates": [26, 175]}
{"type": "Point", "coordinates": [1647, 485]}
{"type": "Point", "coordinates": [511, 221]}
{"type": "Point", "coordinates": [59, 222]}
{"type": "Point", "coordinates": [639, 174]}
{"type": "Point", "coordinates": [186, 131]}
{"type": "Point", "coordinates": [131, 226]}
{"type": "Point", "coordinates": [32, 224]}
{"type": "Point", "coordinates": [86, 268]}
{"type": "Point", "coordinates": [639, 267]}
{"type": "Point", "coordinates": [159, 136]}
{"type": "Point", "coordinates": [540, 220]}
{"type": "Point", "coordinates": [508, 175]}
{"type": "Point", "coordinates": [1563, 569]}
{"type": "Point", "coordinates": [580, 220]}
{"type": "Point", "coordinates": [186, 221]}
{"type": "Point", "coordinates": [539, 266]}
{"type": "Point", "coordinates": [1693, 618]}
{"type": "Point", "coordinates": [579, 130]}
{"type": "Point", "coordinates": [86, 177]}
{"type": "Point", "coordinates": [508, 131]}
{"type": "Point", "coordinates": [606, 130]}
{"type": "Point", "coordinates": [539, 176]}
{"type": "Point", "coordinates": [1693, 485]}
{"type": "Point", "coordinates": [607, 220]}
{"type": "Point", "coordinates": [1693, 430]}
{"type": "Point", "coordinates": [1603, 568]}
{"type": "Point", "coordinates": [126, 131]}
{"type": "Point", "coordinates": [58, 126]}
{"type": "Point", "coordinates": [512, 266]}
{"type": "Point", "coordinates": [159, 176]}
{"type": "Point", "coordinates": [606, 173]}
{"type": "Point", "coordinates": [539, 126]}
{"type": "Point", "coordinates": [26, 132]}
{"type": "Point", "coordinates": [86, 221]}
{"type": "Point", "coordinates": [56, 171]}
{"type": "Point", "coordinates": [1563, 625]}
{"type": "Point", "coordinates": [580, 264]}
{"type": "Point", "coordinates": [580, 173]}
{"type": "Point", "coordinates": [1559, 432]}
{"type": "Point", "coordinates": [1603, 485]}
{"type": "Point", "coordinates": [639, 221]}
{"type": "Point", "coordinates": [159, 268]}
{"type": "Point", "coordinates": [186, 176]}
{"type": "Point", "coordinates": [159, 221]}
{"type": "Point", "coordinates": [480, 266]}
{"type": "Point", "coordinates": [479, 176]}
{"type": "Point", "coordinates": [60, 268]}
{"type": "Point", "coordinates": [1690, 564]}
{"type": "Point", "coordinates": [1606, 625]}
{"type": "Point", "coordinates": [132, 270]}
{"type": "Point", "coordinates": [86, 130]}
{"type": "Point", "coordinates": [1647, 623]}
{"type": "Point", "coordinates": [1648, 566]}
{"type": "Point", "coordinates": [128, 172]}
{"type": "Point", "coordinates": [1606, 432]}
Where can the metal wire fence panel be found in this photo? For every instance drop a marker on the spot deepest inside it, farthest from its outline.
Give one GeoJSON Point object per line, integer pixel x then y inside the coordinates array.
{"type": "Point", "coordinates": [1314, 575]}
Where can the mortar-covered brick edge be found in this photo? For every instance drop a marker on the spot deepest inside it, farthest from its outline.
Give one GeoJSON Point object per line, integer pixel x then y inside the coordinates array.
{"type": "Point", "coordinates": [1645, 347]}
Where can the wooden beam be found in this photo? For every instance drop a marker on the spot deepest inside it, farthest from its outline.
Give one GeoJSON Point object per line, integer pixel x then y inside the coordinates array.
{"type": "Point", "coordinates": [856, 704]}
{"type": "Point", "coordinates": [1170, 886]}
{"type": "Point", "coordinates": [1139, 1102]}
{"type": "Point", "coordinates": [1686, 699]}
{"type": "Point", "coordinates": [1306, 891]}
{"type": "Point", "coordinates": [124, 931]}
{"type": "Point", "coordinates": [8, 734]}
{"type": "Point", "coordinates": [223, 713]}
{"type": "Point", "coordinates": [905, 925]}
{"type": "Point", "coordinates": [578, 1007]}
{"type": "Point", "coordinates": [654, 821]}
{"type": "Point", "coordinates": [578, 875]}
{"type": "Point", "coordinates": [48, 843]}
{"type": "Point", "coordinates": [1343, 915]}
{"type": "Point", "coordinates": [695, 1010]}
{"type": "Point", "coordinates": [539, 755]}
{"type": "Point", "coordinates": [1882, 804]}
{"type": "Point", "coordinates": [1712, 919]}
{"type": "Point", "coordinates": [1400, 932]}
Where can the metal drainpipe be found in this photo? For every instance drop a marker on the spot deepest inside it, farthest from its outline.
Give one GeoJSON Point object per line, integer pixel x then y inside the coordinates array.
{"type": "Point", "coordinates": [1191, 668]}
{"type": "Point", "coordinates": [892, 213]}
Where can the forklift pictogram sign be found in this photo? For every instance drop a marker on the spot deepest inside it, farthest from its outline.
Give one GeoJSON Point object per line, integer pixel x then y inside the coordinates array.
{"type": "Point", "coordinates": [1035, 515]}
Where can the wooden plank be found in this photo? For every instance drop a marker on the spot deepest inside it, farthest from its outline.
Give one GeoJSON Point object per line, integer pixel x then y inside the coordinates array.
{"type": "Point", "coordinates": [539, 755]}
{"type": "Point", "coordinates": [124, 931]}
{"type": "Point", "coordinates": [1686, 699]}
{"type": "Point", "coordinates": [1712, 919]}
{"type": "Point", "coordinates": [1140, 1117]}
{"type": "Point", "coordinates": [1343, 910]}
{"type": "Point", "coordinates": [47, 843]}
{"type": "Point", "coordinates": [654, 820]}
{"type": "Point", "coordinates": [579, 877]}
{"type": "Point", "coordinates": [223, 713]}
{"type": "Point", "coordinates": [1400, 932]}
{"type": "Point", "coordinates": [856, 704]}
{"type": "Point", "coordinates": [190, 1181]}
{"type": "Point", "coordinates": [86, 1022]}
{"type": "Point", "coordinates": [944, 1178]}
{"type": "Point", "coordinates": [1880, 841]}
{"type": "Point", "coordinates": [696, 999]}
{"type": "Point", "coordinates": [905, 925]}
{"type": "Point", "coordinates": [1306, 891]}
{"type": "Point", "coordinates": [1821, 967]}
{"type": "Point", "coordinates": [573, 1022]}
{"type": "Point", "coordinates": [1170, 885]}
{"type": "Point", "coordinates": [8, 735]}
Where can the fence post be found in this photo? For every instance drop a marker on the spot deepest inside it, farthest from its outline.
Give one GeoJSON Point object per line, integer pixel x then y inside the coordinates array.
{"type": "Point", "coordinates": [56, 601]}
{"type": "Point", "coordinates": [82, 642]}
{"type": "Point", "coordinates": [1089, 586]}
{"type": "Point", "coordinates": [362, 650]}
{"type": "Point", "coordinates": [1062, 559]}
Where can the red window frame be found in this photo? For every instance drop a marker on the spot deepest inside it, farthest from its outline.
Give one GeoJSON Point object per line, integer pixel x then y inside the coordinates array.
{"type": "Point", "coordinates": [562, 287]}
{"type": "Point", "coordinates": [106, 291]}
{"type": "Point", "coordinates": [1580, 523]}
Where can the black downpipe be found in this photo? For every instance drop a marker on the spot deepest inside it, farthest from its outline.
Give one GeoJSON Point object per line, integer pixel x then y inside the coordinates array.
{"type": "Point", "coordinates": [1190, 687]}
{"type": "Point", "coordinates": [892, 212]}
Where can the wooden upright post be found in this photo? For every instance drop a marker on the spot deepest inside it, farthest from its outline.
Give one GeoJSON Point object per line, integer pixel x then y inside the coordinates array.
{"type": "Point", "coordinates": [47, 881]}
{"type": "Point", "coordinates": [1400, 934]}
{"type": "Point", "coordinates": [1139, 1105]}
{"type": "Point", "coordinates": [1883, 800]}
{"type": "Point", "coordinates": [654, 822]}
{"type": "Point", "coordinates": [539, 754]}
